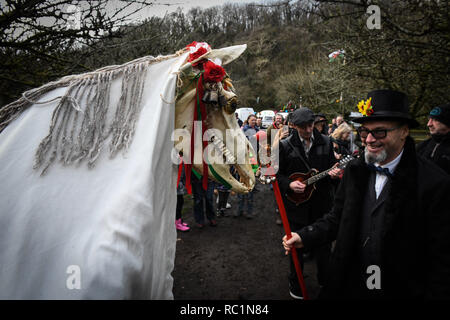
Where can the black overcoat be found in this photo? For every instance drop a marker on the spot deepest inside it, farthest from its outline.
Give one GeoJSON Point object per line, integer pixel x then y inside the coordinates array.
{"type": "Point", "coordinates": [438, 152]}
{"type": "Point", "coordinates": [415, 236]}
{"type": "Point", "coordinates": [321, 157]}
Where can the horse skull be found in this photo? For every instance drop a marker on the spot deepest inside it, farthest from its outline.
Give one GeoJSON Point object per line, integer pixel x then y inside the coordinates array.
{"type": "Point", "coordinates": [227, 144]}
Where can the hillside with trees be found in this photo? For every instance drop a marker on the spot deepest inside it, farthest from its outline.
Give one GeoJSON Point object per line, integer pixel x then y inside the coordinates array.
{"type": "Point", "coordinates": [287, 58]}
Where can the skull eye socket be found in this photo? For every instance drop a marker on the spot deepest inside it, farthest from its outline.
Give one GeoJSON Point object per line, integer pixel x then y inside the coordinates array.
{"type": "Point", "coordinates": [231, 105]}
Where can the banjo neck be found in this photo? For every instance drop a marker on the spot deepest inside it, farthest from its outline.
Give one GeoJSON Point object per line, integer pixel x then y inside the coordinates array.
{"type": "Point", "coordinates": [316, 177]}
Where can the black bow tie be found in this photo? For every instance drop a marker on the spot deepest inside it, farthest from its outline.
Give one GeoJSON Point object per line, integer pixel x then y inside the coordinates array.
{"type": "Point", "coordinates": [381, 170]}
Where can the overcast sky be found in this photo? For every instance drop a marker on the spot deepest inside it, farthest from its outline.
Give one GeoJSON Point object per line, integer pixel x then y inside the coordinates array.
{"type": "Point", "coordinates": [163, 6]}
{"type": "Point", "coordinates": [160, 8]}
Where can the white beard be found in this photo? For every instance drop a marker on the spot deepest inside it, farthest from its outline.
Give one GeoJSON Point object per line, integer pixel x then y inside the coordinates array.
{"type": "Point", "coordinates": [373, 157]}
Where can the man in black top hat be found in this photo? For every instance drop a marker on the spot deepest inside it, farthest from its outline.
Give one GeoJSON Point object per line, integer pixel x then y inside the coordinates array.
{"type": "Point", "coordinates": [389, 217]}
{"type": "Point", "coordinates": [437, 148]}
{"type": "Point", "coordinates": [302, 151]}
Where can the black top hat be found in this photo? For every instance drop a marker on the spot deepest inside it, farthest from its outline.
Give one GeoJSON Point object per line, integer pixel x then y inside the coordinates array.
{"type": "Point", "coordinates": [388, 105]}
{"type": "Point", "coordinates": [320, 115]}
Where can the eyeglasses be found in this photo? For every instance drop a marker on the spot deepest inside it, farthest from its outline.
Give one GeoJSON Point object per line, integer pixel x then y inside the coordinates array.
{"type": "Point", "coordinates": [376, 133]}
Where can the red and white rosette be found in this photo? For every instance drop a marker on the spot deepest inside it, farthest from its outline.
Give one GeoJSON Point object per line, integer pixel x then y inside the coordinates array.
{"type": "Point", "coordinates": [196, 51]}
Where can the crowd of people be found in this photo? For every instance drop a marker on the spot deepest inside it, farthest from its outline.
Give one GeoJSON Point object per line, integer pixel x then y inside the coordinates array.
{"type": "Point", "coordinates": [386, 211]}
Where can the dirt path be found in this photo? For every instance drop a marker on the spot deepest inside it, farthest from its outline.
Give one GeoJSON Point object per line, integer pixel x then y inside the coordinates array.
{"type": "Point", "coordinates": [238, 259]}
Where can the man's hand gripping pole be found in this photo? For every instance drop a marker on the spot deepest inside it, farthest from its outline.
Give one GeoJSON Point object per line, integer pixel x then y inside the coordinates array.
{"type": "Point", "coordinates": [267, 178]}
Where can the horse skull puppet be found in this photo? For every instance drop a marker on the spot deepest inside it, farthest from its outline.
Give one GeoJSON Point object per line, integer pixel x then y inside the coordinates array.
{"type": "Point", "coordinates": [103, 230]}
{"type": "Point", "coordinates": [218, 117]}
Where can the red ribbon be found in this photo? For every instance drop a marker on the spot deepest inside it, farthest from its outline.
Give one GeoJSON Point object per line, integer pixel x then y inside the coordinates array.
{"type": "Point", "coordinates": [200, 93]}
{"type": "Point", "coordinates": [188, 166]}
{"type": "Point", "coordinates": [199, 111]}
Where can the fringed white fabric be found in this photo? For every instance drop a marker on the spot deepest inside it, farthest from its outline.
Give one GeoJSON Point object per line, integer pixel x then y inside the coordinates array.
{"type": "Point", "coordinates": [81, 232]}
{"type": "Point", "coordinates": [78, 133]}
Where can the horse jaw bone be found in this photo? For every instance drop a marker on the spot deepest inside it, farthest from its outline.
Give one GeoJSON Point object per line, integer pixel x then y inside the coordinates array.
{"type": "Point", "coordinates": [223, 151]}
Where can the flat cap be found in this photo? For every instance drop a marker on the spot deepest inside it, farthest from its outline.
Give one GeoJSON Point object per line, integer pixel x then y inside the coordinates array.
{"type": "Point", "coordinates": [302, 116]}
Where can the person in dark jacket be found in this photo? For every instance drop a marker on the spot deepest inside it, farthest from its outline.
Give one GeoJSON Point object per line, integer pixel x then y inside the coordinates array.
{"type": "Point", "coordinates": [304, 150]}
{"type": "Point", "coordinates": [437, 148]}
{"type": "Point", "coordinates": [391, 223]}
{"type": "Point", "coordinates": [239, 121]}
{"type": "Point", "coordinates": [203, 202]}
{"type": "Point", "coordinates": [321, 123]}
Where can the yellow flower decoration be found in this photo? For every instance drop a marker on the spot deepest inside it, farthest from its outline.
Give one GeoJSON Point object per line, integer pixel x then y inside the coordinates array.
{"type": "Point", "coordinates": [365, 107]}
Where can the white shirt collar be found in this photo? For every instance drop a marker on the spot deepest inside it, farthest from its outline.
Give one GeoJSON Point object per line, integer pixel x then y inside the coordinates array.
{"type": "Point", "coordinates": [305, 146]}
{"type": "Point", "coordinates": [303, 140]}
{"type": "Point", "coordinates": [381, 179]}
